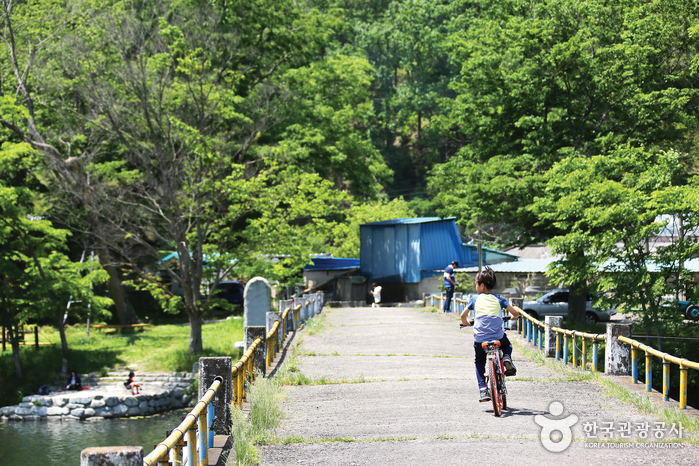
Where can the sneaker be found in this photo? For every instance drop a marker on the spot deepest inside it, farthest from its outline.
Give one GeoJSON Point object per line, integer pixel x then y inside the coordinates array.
{"type": "Point", "coordinates": [510, 368]}
{"type": "Point", "coordinates": [485, 395]}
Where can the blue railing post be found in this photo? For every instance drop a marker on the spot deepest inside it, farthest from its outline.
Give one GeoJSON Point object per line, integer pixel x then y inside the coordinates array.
{"type": "Point", "coordinates": [595, 346]}
{"type": "Point", "coordinates": [575, 351]}
{"type": "Point", "coordinates": [565, 349]}
{"type": "Point", "coordinates": [666, 380]}
{"type": "Point", "coordinates": [649, 373]}
{"type": "Point", "coordinates": [209, 424]}
{"type": "Point", "coordinates": [192, 446]}
{"type": "Point", "coordinates": [541, 338]}
{"type": "Point", "coordinates": [203, 445]}
{"type": "Point", "coordinates": [634, 364]}
{"type": "Point", "coordinates": [558, 346]}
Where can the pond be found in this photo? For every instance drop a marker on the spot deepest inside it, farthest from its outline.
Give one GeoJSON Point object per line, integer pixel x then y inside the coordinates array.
{"type": "Point", "coordinates": [59, 443]}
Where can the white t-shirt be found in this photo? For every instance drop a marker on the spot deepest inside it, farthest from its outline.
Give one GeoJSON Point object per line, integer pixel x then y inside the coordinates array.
{"type": "Point", "coordinates": [377, 294]}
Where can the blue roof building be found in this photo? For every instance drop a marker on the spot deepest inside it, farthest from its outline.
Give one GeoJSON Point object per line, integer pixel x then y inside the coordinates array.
{"type": "Point", "coordinates": [410, 250]}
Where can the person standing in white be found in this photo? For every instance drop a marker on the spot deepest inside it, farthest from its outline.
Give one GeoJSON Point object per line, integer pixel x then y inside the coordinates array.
{"type": "Point", "coordinates": [376, 291]}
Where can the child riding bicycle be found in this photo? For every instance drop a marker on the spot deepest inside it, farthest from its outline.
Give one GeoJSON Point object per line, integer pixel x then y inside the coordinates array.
{"type": "Point", "coordinates": [487, 326]}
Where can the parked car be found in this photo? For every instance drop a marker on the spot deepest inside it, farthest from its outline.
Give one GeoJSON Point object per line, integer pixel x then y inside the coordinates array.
{"type": "Point", "coordinates": [688, 309]}
{"type": "Point", "coordinates": [555, 303]}
{"type": "Point", "coordinates": [232, 291]}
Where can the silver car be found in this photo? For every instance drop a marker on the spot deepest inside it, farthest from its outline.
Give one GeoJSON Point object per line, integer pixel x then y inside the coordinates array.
{"type": "Point", "coordinates": [555, 303]}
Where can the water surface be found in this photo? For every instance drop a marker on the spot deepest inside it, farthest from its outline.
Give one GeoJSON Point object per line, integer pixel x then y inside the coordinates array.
{"type": "Point", "coordinates": [59, 443]}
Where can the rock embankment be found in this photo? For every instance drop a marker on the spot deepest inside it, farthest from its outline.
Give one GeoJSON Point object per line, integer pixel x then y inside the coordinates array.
{"type": "Point", "coordinates": [107, 399]}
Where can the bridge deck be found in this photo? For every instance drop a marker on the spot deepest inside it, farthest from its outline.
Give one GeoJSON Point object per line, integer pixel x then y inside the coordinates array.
{"type": "Point", "coordinates": [403, 391]}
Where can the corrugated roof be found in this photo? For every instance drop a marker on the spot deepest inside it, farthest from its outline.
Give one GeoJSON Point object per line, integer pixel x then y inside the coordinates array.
{"type": "Point", "coordinates": [410, 221]}
{"type": "Point", "coordinates": [332, 263]}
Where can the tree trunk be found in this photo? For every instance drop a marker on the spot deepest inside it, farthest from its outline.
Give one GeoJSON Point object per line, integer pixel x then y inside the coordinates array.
{"type": "Point", "coordinates": [62, 331]}
{"type": "Point", "coordinates": [577, 303]}
{"type": "Point", "coordinates": [195, 343]}
{"type": "Point", "coordinates": [125, 311]}
{"type": "Point", "coordinates": [14, 340]}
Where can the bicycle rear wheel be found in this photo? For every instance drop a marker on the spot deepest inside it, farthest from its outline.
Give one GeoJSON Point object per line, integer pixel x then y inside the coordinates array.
{"type": "Point", "coordinates": [494, 393]}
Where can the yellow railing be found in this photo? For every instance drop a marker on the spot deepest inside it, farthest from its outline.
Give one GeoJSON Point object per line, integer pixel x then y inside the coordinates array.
{"type": "Point", "coordinates": [436, 300]}
{"type": "Point", "coordinates": [244, 371]}
{"type": "Point", "coordinates": [533, 330]}
{"type": "Point", "coordinates": [195, 430]}
{"type": "Point", "coordinates": [195, 422]}
{"type": "Point", "coordinates": [684, 365]}
{"type": "Point", "coordinates": [272, 344]}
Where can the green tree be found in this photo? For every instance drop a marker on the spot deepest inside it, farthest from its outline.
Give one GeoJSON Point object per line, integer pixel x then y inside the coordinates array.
{"type": "Point", "coordinates": [37, 279]}
{"type": "Point", "coordinates": [30, 33]}
{"type": "Point", "coordinates": [614, 207]}
{"type": "Point", "coordinates": [559, 78]}
{"type": "Point", "coordinates": [185, 97]}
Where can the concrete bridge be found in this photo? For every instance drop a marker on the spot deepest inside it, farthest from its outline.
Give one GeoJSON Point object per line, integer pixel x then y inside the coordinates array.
{"type": "Point", "coordinates": [399, 388]}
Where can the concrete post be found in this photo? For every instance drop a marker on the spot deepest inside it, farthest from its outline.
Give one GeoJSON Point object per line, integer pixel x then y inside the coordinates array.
{"type": "Point", "coordinates": [112, 456]}
{"type": "Point", "coordinates": [290, 317]}
{"type": "Point", "coordinates": [273, 317]}
{"type": "Point", "coordinates": [258, 302]}
{"type": "Point", "coordinates": [550, 344]}
{"type": "Point", "coordinates": [302, 316]}
{"type": "Point", "coordinates": [617, 357]}
{"type": "Point", "coordinates": [251, 334]}
{"type": "Point", "coordinates": [209, 369]}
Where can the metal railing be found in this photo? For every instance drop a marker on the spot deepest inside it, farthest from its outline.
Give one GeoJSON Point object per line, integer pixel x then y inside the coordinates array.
{"type": "Point", "coordinates": [278, 332]}
{"type": "Point", "coordinates": [199, 433]}
{"type": "Point", "coordinates": [436, 300]}
{"type": "Point", "coordinates": [533, 331]}
{"type": "Point", "coordinates": [683, 364]}
{"type": "Point", "coordinates": [196, 428]}
{"type": "Point", "coordinates": [244, 373]}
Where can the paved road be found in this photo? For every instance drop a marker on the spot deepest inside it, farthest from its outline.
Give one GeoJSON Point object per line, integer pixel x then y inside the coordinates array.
{"type": "Point", "coordinates": [400, 390]}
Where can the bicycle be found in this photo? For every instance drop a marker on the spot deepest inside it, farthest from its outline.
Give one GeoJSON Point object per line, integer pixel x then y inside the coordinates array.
{"type": "Point", "coordinates": [495, 373]}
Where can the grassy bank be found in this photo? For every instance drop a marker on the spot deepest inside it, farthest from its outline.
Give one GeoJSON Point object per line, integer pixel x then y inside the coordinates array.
{"type": "Point", "coordinates": [161, 348]}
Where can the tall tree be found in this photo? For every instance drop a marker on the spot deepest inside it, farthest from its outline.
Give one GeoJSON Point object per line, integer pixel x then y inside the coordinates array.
{"type": "Point", "coordinates": [28, 31]}
{"type": "Point", "coordinates": [184, 97]}
{"type": "Point", "coordinates": [37, 279]}
{"type": "Point", "coordinates": [556, 78]}
{"type": "Point", "coordinates": [614, 207]}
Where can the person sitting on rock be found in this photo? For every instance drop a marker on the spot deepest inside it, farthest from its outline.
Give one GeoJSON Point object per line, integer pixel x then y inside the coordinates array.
{"type": "Point", "coordinates": [131, 385]}
{"type": "Point", "coordinates": [74, 381]}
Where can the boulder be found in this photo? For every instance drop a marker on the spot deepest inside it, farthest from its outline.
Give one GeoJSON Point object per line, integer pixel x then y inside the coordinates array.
{"type": "Point", "coordinates": [57, 411]}
{"type": "Point", "coordinates": [98, 403]}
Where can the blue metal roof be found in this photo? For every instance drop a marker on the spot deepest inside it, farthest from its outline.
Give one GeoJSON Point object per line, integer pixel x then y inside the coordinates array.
{"type": "Point", "coordinates": [332, 263]}
{"type": "Point", "coordinates": [410, 221]}
{"type": "Point", "coordinates": [409, 250]}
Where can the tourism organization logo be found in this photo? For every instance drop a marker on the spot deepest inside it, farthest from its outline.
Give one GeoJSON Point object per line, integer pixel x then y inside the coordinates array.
{"type": "Point", "coordinates": [556, 432]}
{"type": "Point", "coordinates": [549, 428]}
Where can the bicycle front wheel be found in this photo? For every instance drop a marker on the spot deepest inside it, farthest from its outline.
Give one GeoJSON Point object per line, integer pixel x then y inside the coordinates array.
{"type": "Point", "coordinates": [494, 393]}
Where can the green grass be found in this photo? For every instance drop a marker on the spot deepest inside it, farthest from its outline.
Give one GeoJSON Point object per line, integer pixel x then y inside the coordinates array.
{"type": "Point", "coordinates": [259, 426]}
{"type": "Point", "coordinates": [161, 348]}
